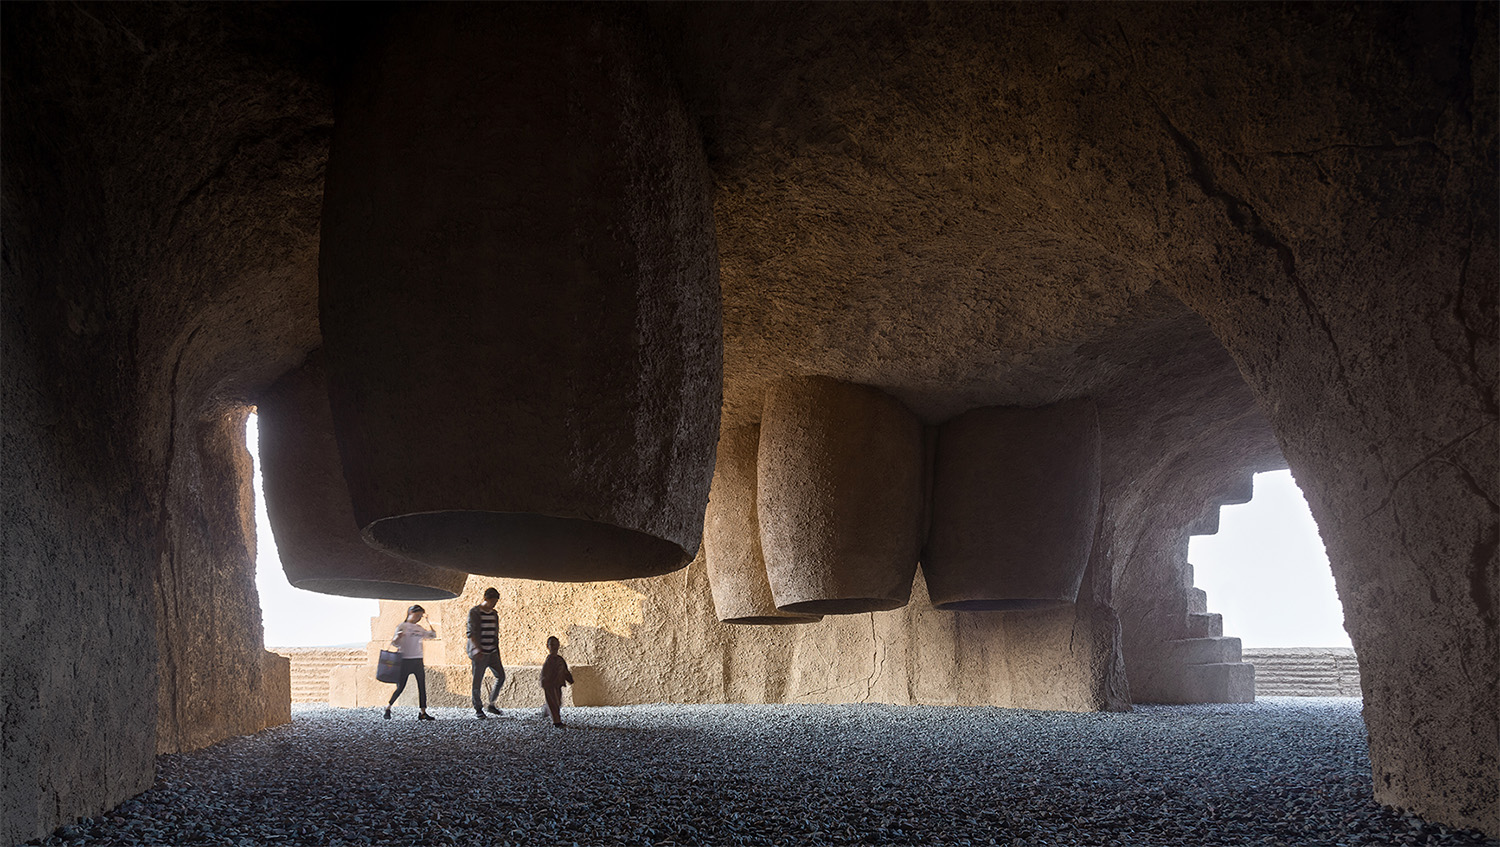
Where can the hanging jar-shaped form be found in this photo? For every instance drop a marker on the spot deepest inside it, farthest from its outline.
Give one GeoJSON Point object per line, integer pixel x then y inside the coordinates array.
{"type": "Point", "coordinates": [839, 491]}
{"type": "Point", "coordinates": [1015, 503]}
{"type": "Point", "coordinates": [731, 537]}
{"type": "Point", "coordinates": [308, 502]}
{"type": "Point", "coordinates": [519, 294]}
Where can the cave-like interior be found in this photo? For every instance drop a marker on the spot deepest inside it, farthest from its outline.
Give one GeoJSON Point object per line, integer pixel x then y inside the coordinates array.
{"type": "Point", "coordinates": [1018, 292]}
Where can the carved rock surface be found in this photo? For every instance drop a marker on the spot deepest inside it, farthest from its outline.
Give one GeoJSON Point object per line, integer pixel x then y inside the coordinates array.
{"type": "Point", "coordinates": [1015, 506]}
{"type": "Point", "coordinates": [1258, 235]}
{"type": "Point", "coordinates": [731, 537]}
{"type": "Point", "coordinates": [307, 502]}
{"type": "Point", "coordinates": [519, 296]}
{"type": "Point", "coordinates": [839, 491]}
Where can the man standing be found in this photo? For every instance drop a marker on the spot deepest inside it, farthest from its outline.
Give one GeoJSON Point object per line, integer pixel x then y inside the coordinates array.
{"type": "Point", "coordinates": [484, 649]}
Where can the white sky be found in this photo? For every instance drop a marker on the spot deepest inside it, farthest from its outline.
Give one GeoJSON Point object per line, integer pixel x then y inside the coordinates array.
{"type": "Point", "coordinates": [1265, 571]}
{"type": "Point", "coordinates": [293, 617]}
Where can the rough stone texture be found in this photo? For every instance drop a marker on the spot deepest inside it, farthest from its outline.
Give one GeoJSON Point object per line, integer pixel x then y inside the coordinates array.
{"type": "Point", "coordinates": [311, 666]}
{"type": "Point", "coordinates": [731, 537]}
{"type": "Point", "coordinates": [354, 686]}
{"type": "Point", "coordinates": [519, 295]}
{"type": "Point", "coordinates": [1357, 292]}
{"type": "Point", "coordinates": [214, 677]}
{"type": "Point", "coordinates": [840, 486]}
{"type": "Point", "coordinates": [656, 640]}
{"type": "Point", "coordinates": [1015, 507]}
{"type": "Point", "coordinates": [307, 502]}
{"type": "Point", "coordinates": [160, 191]}
{"type": "Point", "coordinates": [1256, 234]}
{"type": "Point", "coordinates": [1304, 671]}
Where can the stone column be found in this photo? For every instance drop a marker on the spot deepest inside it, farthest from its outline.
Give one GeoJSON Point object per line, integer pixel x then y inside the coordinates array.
{"type": "Point", "coordinates": [308, 502]}
{"type": "Point", "coordinates": [519, 295]}
{"type": "Point", "coordinates": [731, 538]}
{"type": "Point", "coordinates": [840, 496]}
{"type": "Point", "coordinates": [1015, 502]}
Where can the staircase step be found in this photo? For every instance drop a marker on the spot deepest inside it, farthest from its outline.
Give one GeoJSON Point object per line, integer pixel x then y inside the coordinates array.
{"type": "Point", "coordinates": [1237, 491]}
{"type": "Point", "coordinates": [1197, 601]}
{"type": "Point", "coordinates": [1205, 651]}
{"type": "Point", "coordinates": [1205, 625]}
{"type": "Point", "coordinates": [1230, 682]}
{"type": "Point", "coordinates": [1206, 525]}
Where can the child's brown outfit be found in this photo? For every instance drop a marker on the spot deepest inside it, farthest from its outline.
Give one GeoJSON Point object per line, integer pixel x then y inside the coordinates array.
{"type": "Point", "coordinates": [555, 675]}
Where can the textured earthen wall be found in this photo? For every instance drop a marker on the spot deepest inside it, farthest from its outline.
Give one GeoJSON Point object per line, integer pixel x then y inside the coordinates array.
{"type": "Point", "coordinates": [1357, 291]}
{"type": "Point", "coordinates": [143, 306]}
{"type": "Point", "coordinates": [962, 205]}
{"type": "Point", "coordinates": [655, 640]}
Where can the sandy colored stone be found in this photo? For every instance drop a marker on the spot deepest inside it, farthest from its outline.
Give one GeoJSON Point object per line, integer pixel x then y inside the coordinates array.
{"type": "Point", "coordinates": [519, 296]}
{"type": "Point", "coordinates": [1258, 236]}
{"type": "Point", "coordinates": [731, 537]}
{"type": "Point", "coordinates": [660, 640]}
{"type": "Point", "coordinates": [1015, 507]}
{"type": "Point", "coordinates": [839, 492]}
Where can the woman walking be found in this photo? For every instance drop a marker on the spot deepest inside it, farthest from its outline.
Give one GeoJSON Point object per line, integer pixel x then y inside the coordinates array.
{"type": "Point", "coordinates": [408, 642]}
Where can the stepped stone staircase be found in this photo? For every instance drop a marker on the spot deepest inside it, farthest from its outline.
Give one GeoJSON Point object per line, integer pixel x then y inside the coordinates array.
{"type": "Point", "coordinates": [1305, 672]}
{"type": "Point", "coordinates": [312, 667]}
{"type": "Point", "coordinates": [1208, 666]}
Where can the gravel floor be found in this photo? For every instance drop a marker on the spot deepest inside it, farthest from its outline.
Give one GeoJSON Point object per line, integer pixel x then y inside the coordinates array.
{"type": "Point", "coordinates": [1281, 771]}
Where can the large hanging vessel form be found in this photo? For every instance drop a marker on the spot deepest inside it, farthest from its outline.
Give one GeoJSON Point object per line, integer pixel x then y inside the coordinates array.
{"type": "Point", "coordinates": [308, 503]}
{"type": "Point", "coordinates": [731, 538]}
{"type": "Point", "coordinates": [839, 491]}
{"type": "Point", "coordinates": [519, 295]}
{"type": "Point", "coordinates": [1015, 505]}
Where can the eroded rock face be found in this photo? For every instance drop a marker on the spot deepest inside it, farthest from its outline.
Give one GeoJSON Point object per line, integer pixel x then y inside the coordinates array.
{"type": "Point", "coordinates": [1219, 222]}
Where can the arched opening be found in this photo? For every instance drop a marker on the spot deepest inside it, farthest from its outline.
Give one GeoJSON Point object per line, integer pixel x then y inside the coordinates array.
{"type": "Point", "coordinates": [1266, 572]}
{"type": "Point", "coordinates": [292, 617]}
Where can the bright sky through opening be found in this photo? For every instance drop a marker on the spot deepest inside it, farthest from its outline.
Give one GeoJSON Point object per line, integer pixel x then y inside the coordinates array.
{"type": "Point", "coordinates": [290, 616]}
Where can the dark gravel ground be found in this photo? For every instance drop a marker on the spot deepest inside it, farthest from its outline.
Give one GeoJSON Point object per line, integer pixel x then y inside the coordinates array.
{"type": "Point", "coordinates": [1280, 771]}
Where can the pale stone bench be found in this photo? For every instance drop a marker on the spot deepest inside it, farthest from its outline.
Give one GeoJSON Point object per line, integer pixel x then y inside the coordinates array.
{"type": "Point", "coordinates": [355, 686]}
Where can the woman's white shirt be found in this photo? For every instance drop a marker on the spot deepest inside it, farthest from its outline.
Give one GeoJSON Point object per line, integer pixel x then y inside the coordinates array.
{"type": "Point", "coordinates": [409, 638]}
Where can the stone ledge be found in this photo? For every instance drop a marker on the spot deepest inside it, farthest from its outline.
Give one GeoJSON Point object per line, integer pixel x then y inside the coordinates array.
{"type": "Point", "coordinates": [1305, 671]}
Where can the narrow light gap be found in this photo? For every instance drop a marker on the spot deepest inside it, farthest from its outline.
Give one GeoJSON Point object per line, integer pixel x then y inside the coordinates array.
{"type": "Point", "coordinates": [292, 617]}
{"type": "Point", "coordinates": [1266, 571]}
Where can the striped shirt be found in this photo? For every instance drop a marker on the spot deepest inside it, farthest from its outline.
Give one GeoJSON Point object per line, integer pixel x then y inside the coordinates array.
{"type": "Point", "coordinates": [484, 628]}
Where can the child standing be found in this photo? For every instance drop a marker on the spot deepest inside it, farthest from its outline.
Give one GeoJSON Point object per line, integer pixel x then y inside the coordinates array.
{"type": "Point", "coordinates": [408, 640]}
{"type": "Point", "coordinates": [555, 675]}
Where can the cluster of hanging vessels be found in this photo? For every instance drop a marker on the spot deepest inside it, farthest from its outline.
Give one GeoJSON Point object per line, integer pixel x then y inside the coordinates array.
{"type": "Point", "coordinates": [999, 505]}
{"type": "Point", "coordinates": [521, 368]}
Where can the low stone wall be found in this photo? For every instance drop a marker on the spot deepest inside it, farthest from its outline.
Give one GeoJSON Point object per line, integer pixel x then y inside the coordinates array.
{"type": "Point", "coordinates": [1304, 671]}
{"type": "Point", "coordinates": [448, 686]}
{"type": "Point", "coordinates": [312, 667]}
{"type": "Point", "coordinates": [1279, 672]}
